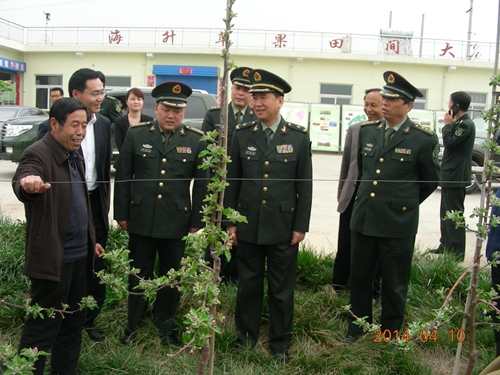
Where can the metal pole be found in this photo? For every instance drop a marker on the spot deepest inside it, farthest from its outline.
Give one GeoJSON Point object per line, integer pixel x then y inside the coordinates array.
{"type": "Point", "coordinates": [422, 35]}
{"type": "Point", "coordinates": [390, 19]}
{"type": "Point", "coordinates": [469, 32]}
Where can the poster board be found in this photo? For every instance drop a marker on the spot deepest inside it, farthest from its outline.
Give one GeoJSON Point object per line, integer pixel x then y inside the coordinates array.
{"type": "Point", "coordinates": [325, 127]}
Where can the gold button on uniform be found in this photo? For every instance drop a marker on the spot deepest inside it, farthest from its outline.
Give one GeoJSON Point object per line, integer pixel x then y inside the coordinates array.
{"type": "Point", "coordinates": [183, 160]}
{"type": "Point", "coordinates": [292, 209]}
{"type": "Point", "coordinates": [162, 172]}
{"type": "Point", "coordinates": [160, 184]}
{"type": "Point", "coordinates": [266, 175]}
{"type": "Point", "coordinates": [248, 157]}
{"type": "Point", "coordinates": [381, 160]}
{"type": "Point", "coordinates": [401, 159]}
{"type": "Point", "coordinates": [163, 160]}
{"type": "Point", "coordinates": [185, 209]}
{"type": "Point", "coordinates": [264, 201]}
{"type": "Point", "coordinates": [264, 188]}
{"type": "Point", "coordinates": [286, 160]}
{"type": "Point", "coordinates": [375, 183]}
{"type": "Point", "coordinates": [377, 171]}
{"type": "Point", "coordinates": [372, 195]}
{"type": "Point", "coordinates": [159, 196]}
{"type": "Point", "coordinates": [404, 208]}
{"type": "Point", "coordinates": [143, 155]}
{"type": "Point", "coordinates": [266, 163]}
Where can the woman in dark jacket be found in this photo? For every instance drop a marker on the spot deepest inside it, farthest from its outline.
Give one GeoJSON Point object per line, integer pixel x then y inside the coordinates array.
{"type": "Point", "coordinates": [135, 101]}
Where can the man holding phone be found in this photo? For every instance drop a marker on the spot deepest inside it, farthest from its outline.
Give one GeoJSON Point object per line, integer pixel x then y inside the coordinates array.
{"type": "Point", "coordinates": [459, 133]}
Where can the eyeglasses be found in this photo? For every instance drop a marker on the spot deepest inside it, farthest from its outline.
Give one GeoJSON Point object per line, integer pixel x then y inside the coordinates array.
{"type": "Point", "coordinates": [95, 94]}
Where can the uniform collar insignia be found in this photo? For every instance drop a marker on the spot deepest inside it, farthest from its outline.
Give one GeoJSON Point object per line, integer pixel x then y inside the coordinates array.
{"type": "Point", "coordinates": [407, 129]}
{"type": "Point", "coordinates": [182, 131]}
{"type": "Point", "coordinates": [283, 129]}
{"type": "Point", "coordinates": [380, 126]}
{"type": "Point", "coordinates": [152, 127]}
{"type": "Point", "coordinates": [256, 128]}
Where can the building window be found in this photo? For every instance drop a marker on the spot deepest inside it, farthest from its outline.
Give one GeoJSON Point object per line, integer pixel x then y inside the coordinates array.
{"type": "Point", "coordinates": [113, 82]}
{"type": "Point", "coordinates": [335, 94]}
{"type": "Point", "coordinates": [477, 104]}
{"type": "Point", "coordinates": [420, 103]}
{"type": "Point", "coordinates": [43, 84]}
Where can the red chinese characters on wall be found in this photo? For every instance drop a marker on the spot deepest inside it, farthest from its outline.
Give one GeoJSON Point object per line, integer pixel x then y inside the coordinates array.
{"type": "Point", "coordinates": [280, 41]}
{"type": "Point", "coordinates": [336, 43]}
{"type": "Point", "coordinates": [221, 39]}
{"type": "Point", "coordinates": [115, 37]}
{"type": "Point", "coordinates": [169, 35]}
{"type": "Point", "coordinates": [393, 46]}
{"type": "Point", "coordinates": [446, 50]}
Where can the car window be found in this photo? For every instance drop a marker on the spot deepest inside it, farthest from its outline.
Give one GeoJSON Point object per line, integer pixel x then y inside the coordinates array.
{"type": "Point", "coordinates": [195, 107]}
{"type": "Point", "coordinates": [6, 113]}
{"type": "Point", "coordinates": [24, 112]}
{"type": "Point", "coordinates": [481, 127]}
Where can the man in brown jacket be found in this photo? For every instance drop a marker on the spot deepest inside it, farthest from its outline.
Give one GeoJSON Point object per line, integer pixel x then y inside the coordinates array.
{"type": "Point", "coordinates": [60, 237]}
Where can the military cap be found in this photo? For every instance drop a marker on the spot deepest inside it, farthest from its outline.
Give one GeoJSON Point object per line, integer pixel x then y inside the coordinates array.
{"type": "Point", "coordinates": [264, 81]}
{"type": "Point", "coordinates": [172, 94]}
{"type": "Point", "coordinates": [398, 87]}
{"type": "Point", "coordinates": [240, 76]}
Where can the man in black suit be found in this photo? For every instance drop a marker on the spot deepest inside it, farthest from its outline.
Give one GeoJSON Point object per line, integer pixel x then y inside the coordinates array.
{"type": "Point", "coordinates": [239, 111]}
{"type": "Point", "coordinates": [86, 86]}
{"type": "Point", "coordinates": [459, 134]}
{"type": "Point", "coordinates": [271, 184]}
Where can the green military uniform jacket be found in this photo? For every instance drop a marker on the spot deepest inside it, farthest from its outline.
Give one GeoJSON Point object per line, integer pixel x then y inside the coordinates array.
{"type": "Point", "coordinates": [270, 184]}
{"type": "Point", "coordinates": [110, 108]}
{"type": "Point", "coordinates": [458, 141]}
{"type": "Point", "coordinates": [212, 119]}
{"type": "Point", "coordinates": [395, 179]}
{"type": "Point", "coordinates": [152, 185]}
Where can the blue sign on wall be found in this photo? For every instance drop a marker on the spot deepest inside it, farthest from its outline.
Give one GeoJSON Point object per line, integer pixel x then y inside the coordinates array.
{"type": "Point", "coordinates": [12, 65]}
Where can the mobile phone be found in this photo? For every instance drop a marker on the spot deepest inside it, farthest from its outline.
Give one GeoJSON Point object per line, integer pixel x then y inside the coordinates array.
{"type": "Point", "coordinates": [454, 110]}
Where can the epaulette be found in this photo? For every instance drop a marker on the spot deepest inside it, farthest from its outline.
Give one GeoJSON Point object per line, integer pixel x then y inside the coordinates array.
{"type": "Point", "coordinates": [198, 131]}
{"type": "Point", "coordinates": [245, 125]}
{"type": "Point", "coordinates": [111, 97]}
{"type": "Point", "coordinates": [141, 124]}
{"type": "Point", "coordinates": [424, 129]}
{"type": "Point", "coordinates": [374, 122]}
{"type": "Point", "coordinates": [297, 127]}
{"type": "Point", "coordinates": [214, 108]}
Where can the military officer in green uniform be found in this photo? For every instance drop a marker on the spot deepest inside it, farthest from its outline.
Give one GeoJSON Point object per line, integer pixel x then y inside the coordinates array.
{"type": "Point", "coordinates": [152, 199]}
{"type": "Point", "coordinates": [459, 134]}
{"type": "Point", "coordinates": [110, 106]}
{"type": "Point", "coordinates": [399, 169]}
{"type": "Point", "coordinates": [239, 111]}
{"type": "Point", "coordinates": [270, 180]}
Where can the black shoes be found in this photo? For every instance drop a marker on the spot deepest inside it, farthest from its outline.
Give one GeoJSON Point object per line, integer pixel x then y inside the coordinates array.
{"type": "Point", "coordinates": [129, 337]}
{"type": "Point", "coordinates": [437, 251]}
{"type": "Point", "coordinates": [170, 340]}
{"type": "Point", "coordinates": [282, 358]}
{"type": "Point", "coordinates": [95, 334]}
{"type": "Point", "coordinates": [348, 339]}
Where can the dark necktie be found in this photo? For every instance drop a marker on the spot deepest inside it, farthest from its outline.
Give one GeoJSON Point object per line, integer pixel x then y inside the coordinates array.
{"type": "Point", "coordinates": [165, 136]}
{"type": "Point", "coordinates": [388, 133]}
{"type": "Point", "coordinates": [72, 162]}
{"type": "Point", "coordinates": [239, 117]}
{"type": "Point", "coordinates": [269, 135]}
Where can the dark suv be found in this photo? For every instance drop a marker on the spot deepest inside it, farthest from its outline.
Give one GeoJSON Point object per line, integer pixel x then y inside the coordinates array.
{"type": "Point", "coordinates": [13, 146]}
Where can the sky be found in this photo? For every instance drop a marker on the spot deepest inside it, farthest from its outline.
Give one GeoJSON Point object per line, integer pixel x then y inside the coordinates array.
{"type": "Point", "coordinates": [443, 19]}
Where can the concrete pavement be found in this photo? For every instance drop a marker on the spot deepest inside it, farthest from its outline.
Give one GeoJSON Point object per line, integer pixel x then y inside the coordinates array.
{"type": "Point", "coordinates": [324, 222]}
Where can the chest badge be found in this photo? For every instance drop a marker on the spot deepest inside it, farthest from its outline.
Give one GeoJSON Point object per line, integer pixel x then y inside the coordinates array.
{"type": "Point", "coordinates": [184, 150]}
{"type": "Point", "coordinates": [284, 149]}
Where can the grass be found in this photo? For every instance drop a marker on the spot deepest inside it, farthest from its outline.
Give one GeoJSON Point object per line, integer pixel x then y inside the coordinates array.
{"type": "Point", "coordinates": [319, 325]}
